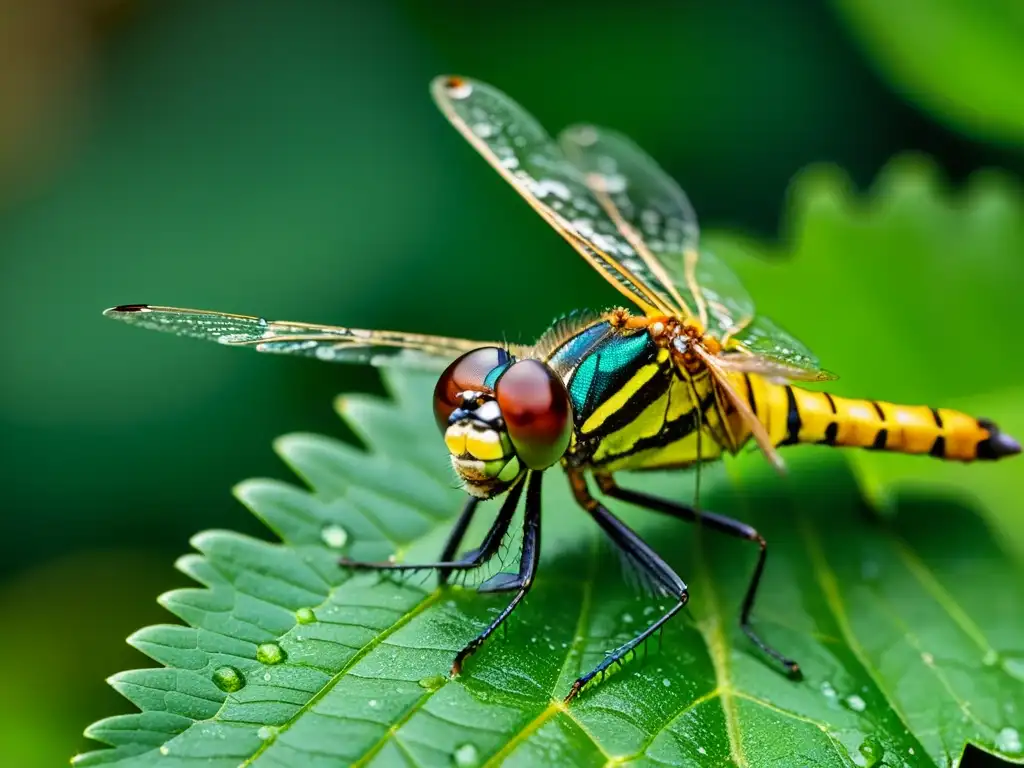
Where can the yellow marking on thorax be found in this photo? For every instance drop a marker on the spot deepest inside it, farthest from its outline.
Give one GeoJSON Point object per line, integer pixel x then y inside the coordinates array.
{"type": "Point", "coordinates": [647, 424]}
{"type": "Point", "coordinates": [613, 452]}
{"type": "Point", "coordinates": [618, 400]}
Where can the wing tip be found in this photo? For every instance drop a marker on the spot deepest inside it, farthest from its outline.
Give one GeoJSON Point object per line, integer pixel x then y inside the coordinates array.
{"type": "Point", "coordinates": [452, 87]}
{"type": "Point", "coordinates": [123, 309]}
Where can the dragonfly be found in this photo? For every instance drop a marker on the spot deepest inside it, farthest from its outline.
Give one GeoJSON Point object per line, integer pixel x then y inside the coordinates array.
{"type": "Point", "coordinates": [687, 373]}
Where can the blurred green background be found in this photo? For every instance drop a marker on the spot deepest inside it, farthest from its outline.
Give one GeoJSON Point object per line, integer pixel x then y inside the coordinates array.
{"type": "Point", "coordinates": [284, 159]}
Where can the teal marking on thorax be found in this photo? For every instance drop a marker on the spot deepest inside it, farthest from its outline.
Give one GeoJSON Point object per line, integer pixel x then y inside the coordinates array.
{"type": "Point", "coordinates": [578, 346]}
{"type": "Point", "coordinates": [607, 368]}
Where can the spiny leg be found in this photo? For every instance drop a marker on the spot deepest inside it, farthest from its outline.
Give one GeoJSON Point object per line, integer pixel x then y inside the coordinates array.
{"type": "Point", "coordinates": [718, 523]}
{"type": "Point", "coordinates": [508, 582]}
{"type": "Point", "coordinates": [643, 557]}
{"type": "Point", "coordinates": [473, 559]}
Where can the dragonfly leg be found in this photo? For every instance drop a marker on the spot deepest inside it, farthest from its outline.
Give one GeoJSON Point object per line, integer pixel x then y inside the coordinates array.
{"type": "Point", "coordinates": [643, 557]}
{"type": "Point", "coordinates": [458, 533]}
{"type": "Point", "coordinates": [506, 582]}
{"type": "Point", "coordinates": [472, 559]}
{"type": "Point", "coordinates": [718, 523]}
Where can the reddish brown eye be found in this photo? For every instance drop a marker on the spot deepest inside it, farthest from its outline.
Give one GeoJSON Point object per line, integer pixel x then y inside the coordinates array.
{"type": "Point", "coordinates": [466, 373]}
{"type": "Point", "coordinates": [537, 412]}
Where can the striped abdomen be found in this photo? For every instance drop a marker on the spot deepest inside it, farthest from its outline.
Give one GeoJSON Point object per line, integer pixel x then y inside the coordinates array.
{"type": "Point", "coordinates": [793, 415]}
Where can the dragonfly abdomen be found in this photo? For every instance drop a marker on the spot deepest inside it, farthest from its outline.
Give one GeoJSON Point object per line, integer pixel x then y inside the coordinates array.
{"type": "Point", "coordinates": [793, 415]}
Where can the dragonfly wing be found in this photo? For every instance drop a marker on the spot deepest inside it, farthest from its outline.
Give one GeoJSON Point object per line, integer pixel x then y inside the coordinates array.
{"type": "Point", "coordinates": [774, 353]}
{"type": "Point", "coordinates": [526, 156]}
{"type": "Point", "coordinates": [325, 342]}
{"type": "Point", "coordinates": [647, 203]}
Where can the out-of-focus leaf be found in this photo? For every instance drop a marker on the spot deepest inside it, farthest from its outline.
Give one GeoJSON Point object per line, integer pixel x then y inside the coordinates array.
{"type": "Point", "coordinates": [907, 650]}
{"type": "Point", "coordinates": [960, 60]}
{"type": "Point", "coordinates": [910, 293]}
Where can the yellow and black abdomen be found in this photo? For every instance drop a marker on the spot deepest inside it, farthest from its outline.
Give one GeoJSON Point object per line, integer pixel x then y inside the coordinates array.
{"type": "Point", "coordinates": [793, 415]}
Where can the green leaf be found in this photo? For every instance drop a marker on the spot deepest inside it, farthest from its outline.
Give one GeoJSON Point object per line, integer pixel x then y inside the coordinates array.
{"type": "Point", "coordinates": [907, 628]}
{"type": "Point", "coordinates": [960, 60]}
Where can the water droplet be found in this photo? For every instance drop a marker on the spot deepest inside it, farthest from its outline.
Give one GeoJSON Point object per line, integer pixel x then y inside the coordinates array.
{"type": "Point", "coordinates": [165, 750]}
{"type": "Point", "coordinates": [627, 618]}
{"type": "Point", "coordinates": [702, 750]}
{"type": "Point", "coordinates": [828, 690]}
{"type": "Point", "coordinates": [855, 702]}
{"type": "Point", "coordinates": [266, 677]}
{"type": "Point", "coordinates": [666, 682]}
{"type": "Point", "coordinates": [872, 750]}
{"type": "Point", "coordinates": [466, 756]}
{"type": "Point", "coordinates": [228, 679]}
{"type": "Point", "coordinates": [305, 616]}
{"type": "Point", "coordinates": [928, 659]}
{"type": "Point", "coordinates": [432, 683]}
{"type": "Point", "coordinates": [266, 733]}
{"type": "Point", "coordinates": [910, 751]}
{"type": "Point", "coordinates": [333, 535]}
{"type": "Point", "coordinates": [270, 653]}
{"type": "Point", "coordinates": [373, 703]}
{"type": "Point", "coordinates": [483, 130]}
{"type": "Point", "coordinates": [1008, 740]}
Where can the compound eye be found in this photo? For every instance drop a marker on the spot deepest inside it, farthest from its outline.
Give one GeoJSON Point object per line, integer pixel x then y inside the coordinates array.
{"type": "Point", "coordinates": [466, 373]}
{"type": "Point", "coordinates": [537, 412]}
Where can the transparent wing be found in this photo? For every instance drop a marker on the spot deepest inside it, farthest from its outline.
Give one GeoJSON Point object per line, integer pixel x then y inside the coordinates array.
{"type": "Point", "coordinates": [771, 351]}
{"type": "Point", "coordinates": [524, 154]}
{"type": "Point", "coordinates": [651, 209]}
{"type": "Point", "coordinates": [325, 342]}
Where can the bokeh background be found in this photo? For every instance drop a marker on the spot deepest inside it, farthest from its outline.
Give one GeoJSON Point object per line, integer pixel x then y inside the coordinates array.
{"type": "Point", "coordinates": [284, 159]}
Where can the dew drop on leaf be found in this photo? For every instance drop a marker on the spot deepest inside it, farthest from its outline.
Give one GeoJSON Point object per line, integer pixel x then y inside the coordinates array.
{"type": "Point", "coordinates": [432, 683]}
{"type": "Point", "coordinates": [270, 653]}
{"type": "Point", "coordinates": [855, 702]}
{"type": "Point", "coordinates": [266, 733]}
{"type": "Point", "coordinates": [466, 756]}
{"type": "Point", "coordinates": [1008, 740]}
{"type": "Point", "coordinates": [165, 750]}
{"type": "Point", "coordinates": [305, 616]}
{"type": "Point", "coordinates": [666, 682]}
{"type": "Point", "coordinates": [872, 750]}
{"type": "Point", "coordinates": [333, 535]}
{"type": "Point", "coordinates": [828, 690]}
{"type": "Point", "coordinates": [228, 679]}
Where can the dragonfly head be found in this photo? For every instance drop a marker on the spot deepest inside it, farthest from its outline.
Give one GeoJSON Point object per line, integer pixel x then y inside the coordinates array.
{"type": "Point", "coordinates": [501, 417]}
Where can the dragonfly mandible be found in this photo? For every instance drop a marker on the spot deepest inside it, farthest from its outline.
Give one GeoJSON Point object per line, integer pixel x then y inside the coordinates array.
{"type": "Point", "coordinates": [686, 374]}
